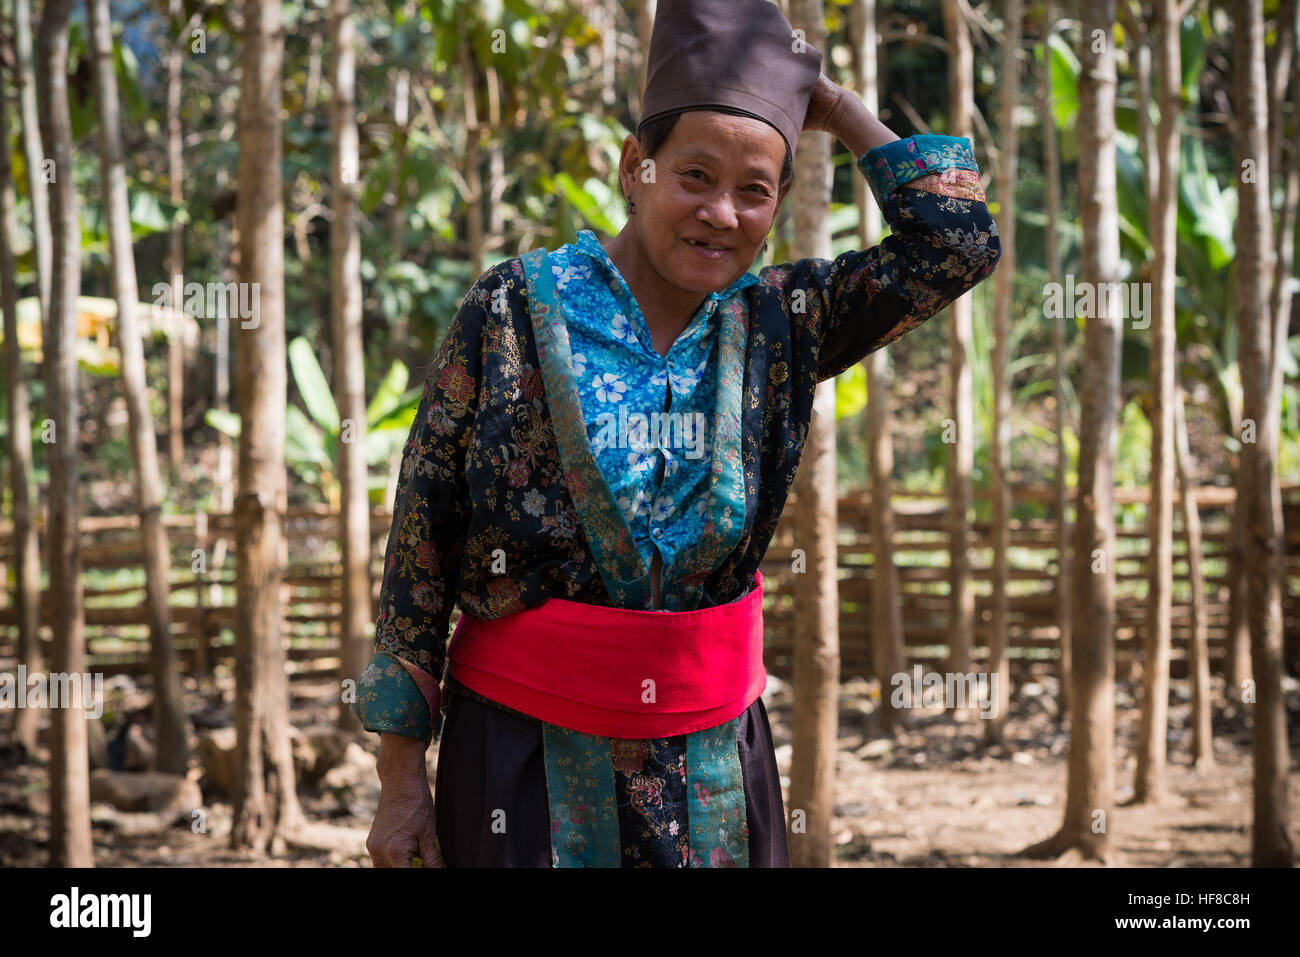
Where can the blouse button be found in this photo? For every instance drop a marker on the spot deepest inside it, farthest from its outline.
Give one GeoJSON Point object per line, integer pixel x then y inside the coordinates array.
{"type": "Point", "coordinates": [658, 533]}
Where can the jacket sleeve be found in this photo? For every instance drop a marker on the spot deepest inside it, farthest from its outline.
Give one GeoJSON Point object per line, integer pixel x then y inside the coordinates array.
{"type": "Point", "coordinates": [942, 242]}
{"type": "Point", "coordinates": [399, 691]}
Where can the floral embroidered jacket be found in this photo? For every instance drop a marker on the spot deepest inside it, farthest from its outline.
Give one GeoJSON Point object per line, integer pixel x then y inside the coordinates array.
{"type": "Point", "coordinates": [487, 512]}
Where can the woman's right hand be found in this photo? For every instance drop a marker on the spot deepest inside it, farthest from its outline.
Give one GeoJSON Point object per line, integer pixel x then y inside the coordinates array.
{"type": "Point", "coordinates": [404, 822]}
{"type": "Point", "coordinates": [823, 105]}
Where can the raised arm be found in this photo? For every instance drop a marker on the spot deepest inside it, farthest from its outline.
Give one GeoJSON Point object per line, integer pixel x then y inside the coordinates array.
{"type": "Point", "coordinates": [942, 242]}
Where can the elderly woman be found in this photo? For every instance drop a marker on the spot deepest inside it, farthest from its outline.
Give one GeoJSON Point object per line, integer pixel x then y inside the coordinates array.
{"type": "Point", "coordinates": [603, 449]}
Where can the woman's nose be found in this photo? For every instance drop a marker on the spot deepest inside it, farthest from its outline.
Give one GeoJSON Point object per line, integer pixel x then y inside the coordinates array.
{"type": "Point", "coordinates": [719, 212]}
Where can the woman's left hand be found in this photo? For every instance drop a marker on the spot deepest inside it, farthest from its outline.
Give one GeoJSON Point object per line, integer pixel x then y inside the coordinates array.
{"type": "Point", "coordinates": [824, 104]}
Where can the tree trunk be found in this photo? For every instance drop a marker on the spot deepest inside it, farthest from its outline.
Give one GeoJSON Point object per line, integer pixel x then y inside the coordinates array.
{"type": "Point", "coordinates": [1149, 784]}
{"type": "Point", "coordinates": [473, 177]}
{"type": "Point", "coordinates": [1090, 776]}
{"type": "Point", "coordinates": [33, 155]}
{"type": "Point", "coordinates": [176, 257]}
{"type": "Point", "coordinates": [349, 354]}
{"type": "Point", "coordinates": [70, 844]}
{"type": "Point", "coordinates": [24, 546]}
{"type": "Point", "coordinates": [1052, 174]}
{"type": "Point", "coordinates": [29, 646]}
{"type": "Point", "coordinates": [817, 636]}
{"type": "Point", "coordinates": [959, 432]}
{"type": "Point", "coordinates": [1280, 59]}
{"type": "Point", "coordinates": [1261, 391]}
{"type": "Point", "coordinates": [399, 345]}
{"type": "Point", "coordinates": [227, 243]}
{"type": "Point", "coordinates": [1284, 166]}
{"type": "Point", "coordinates": [1280, 64]}
{"type": "Point", "coordinates": [1004, 289]}
{"type": "Point", "coordinates": [168, 699]}
{"type": "Point", "coordinates": [1237, 667]}
{"type": "Point", "coordinates": [886, 610]}
{"type": "Point", "coordinates": [1198, 664]}
{"type": "Point", "coordinates": [266, 804]}
{"type": "Point", "coordinates": [1146, 130]}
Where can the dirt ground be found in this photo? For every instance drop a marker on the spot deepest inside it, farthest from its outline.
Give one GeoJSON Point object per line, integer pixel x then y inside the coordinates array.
{"type": "Point", "coordinates": [935, 798]}
{"type": "Point", "coordinates": [932, 796]}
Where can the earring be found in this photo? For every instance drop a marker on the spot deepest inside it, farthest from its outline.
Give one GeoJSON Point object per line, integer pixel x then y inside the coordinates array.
{"type": "Point", "coordinates": [764, 246]}
{"type": "Point", "coordinates": [629, 206]}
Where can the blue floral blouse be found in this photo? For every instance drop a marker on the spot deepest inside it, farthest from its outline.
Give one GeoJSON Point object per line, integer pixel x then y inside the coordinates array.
{"type": "Point", "coordinates": [522, 481]}
{"type": "Point", "coordinates": [648, 416]}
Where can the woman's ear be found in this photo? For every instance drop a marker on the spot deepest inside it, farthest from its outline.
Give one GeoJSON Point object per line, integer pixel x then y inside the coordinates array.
{"type": "Point", "coordinates": [629, 163]}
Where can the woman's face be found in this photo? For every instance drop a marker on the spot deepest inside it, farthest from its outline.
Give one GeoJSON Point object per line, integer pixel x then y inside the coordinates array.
{"type": "Point", "coordinates": [715, 183]}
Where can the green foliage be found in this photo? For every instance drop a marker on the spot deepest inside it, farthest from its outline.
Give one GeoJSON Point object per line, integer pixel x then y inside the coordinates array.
{"type": "Point", "coordinates": [1064, 67]}
{"type": "Point", "coordinates": [850, 391]}
{"type": "Point", "coordinates": [312, 438]}
{"type": "Point", "coordinates": [1132, 457]}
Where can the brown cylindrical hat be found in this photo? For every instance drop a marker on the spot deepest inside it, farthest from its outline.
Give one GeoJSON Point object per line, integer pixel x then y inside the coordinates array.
{"type": "Point", "coordinates": [738, 56]}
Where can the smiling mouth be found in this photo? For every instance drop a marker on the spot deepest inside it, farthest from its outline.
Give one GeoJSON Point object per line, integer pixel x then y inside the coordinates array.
{"type": "Point", "coordinates": [700, 245]}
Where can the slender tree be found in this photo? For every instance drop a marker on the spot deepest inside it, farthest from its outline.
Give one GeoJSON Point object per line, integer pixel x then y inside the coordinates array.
{"type": "Point", "coordinates": [473, 177]}
{"type": "Point", "coordinates": [399, 347]}
{"type": "Point", "coordinates": [1090, 779]}
{"type": "Point", "coordinates": [1284, 166]}
{"type": "Point", "coordinates": [349, 351]}
{"type": "Point", "coordinates": [1238, 666]}
{"type": "Point", "coordinates": [1004, 289]}
{"type": "Point", "coordinates": [1153, 732]}
{"type": "Point", "coordinates": [959, 434]}
{"type": "Point", "coordinates": [1278, 63]}
{"type": "Point", "coordinates": [266, 802]}
{"type": "Point", "coordinates": [25, 548]}
{"type": "Point", "coordinates": [35, 161]}
{"type": "Point", "coordinates": [1052, 176]}
{"type": "Point", "coordinates": [176, 251]}
{"type": "Point", "coordinates": [228, 256]}
{"type": "Point", "coordinates": [33, 155]}
{"type": "Point", "coordinates": [1198, 653]}
{"type": "Point", "coordinates": [817, 643]}
{"type": "Point", "coordinates": [168, 699]}
{"type": "Point", "coordinates": [1261, 375]}
{"type": "Point", "coordinates": [886, 608]}
{"type": "Point", "coordinates": [69, 765]}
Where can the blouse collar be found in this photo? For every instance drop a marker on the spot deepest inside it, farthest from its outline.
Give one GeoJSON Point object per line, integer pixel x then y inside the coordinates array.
{"type": "Point", "coordinates": [590, 246]}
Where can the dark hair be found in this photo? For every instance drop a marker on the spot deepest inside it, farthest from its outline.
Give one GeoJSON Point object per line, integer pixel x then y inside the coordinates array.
{"type": "Point", "coordinates": [655, 133]}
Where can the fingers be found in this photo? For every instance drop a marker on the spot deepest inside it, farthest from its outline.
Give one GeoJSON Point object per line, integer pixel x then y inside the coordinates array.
{"type": "Point", "coordinates": [389, 849]}
{"type": "Point", "coordinates": [430, 854]}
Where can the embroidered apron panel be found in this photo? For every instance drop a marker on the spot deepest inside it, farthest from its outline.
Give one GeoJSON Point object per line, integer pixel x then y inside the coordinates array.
{"type": "Point", "coordinates": [580, 794]}
{"type": "Point", "coordinates": [584, 811]}
{"type": "Point", "coordinates": [715, 794]}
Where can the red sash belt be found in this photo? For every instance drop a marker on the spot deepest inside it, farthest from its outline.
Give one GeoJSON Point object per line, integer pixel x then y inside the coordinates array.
{"type": "Point", "coordinates": [616, 672]}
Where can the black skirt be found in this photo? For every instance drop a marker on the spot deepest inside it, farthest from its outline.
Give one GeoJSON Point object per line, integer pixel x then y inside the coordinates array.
{"type": "Point", "coordinates": [490, 794]}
